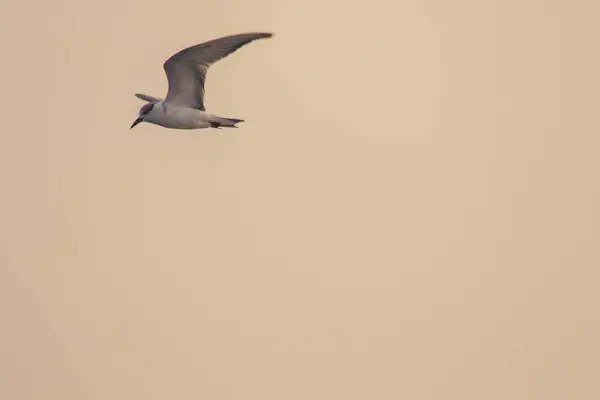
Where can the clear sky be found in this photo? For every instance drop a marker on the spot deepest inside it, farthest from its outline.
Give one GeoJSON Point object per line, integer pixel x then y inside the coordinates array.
{"type": "Point", "coordinates": [410, 211]}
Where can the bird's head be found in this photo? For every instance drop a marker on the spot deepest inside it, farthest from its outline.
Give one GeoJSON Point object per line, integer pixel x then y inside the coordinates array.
{"type": "Point", "coordinates": [144, 111]}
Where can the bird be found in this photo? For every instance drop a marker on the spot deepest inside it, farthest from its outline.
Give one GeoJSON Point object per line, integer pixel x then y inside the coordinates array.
{"type": "Point", "coordinates": [183, 107]}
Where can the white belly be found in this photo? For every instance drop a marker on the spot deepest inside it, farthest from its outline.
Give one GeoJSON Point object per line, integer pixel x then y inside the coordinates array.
{"type": "Point", "coordinates": [180, 118]}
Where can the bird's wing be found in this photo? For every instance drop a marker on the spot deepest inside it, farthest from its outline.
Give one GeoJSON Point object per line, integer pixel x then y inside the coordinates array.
{"type": "Point", "coordinates": [186, 70]}
{"type": "Point", "coordinates": [147, 98]}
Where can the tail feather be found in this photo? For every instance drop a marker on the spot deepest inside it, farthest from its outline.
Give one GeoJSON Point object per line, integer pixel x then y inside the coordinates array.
{"type": "Point", "coordinates": [219, 122]}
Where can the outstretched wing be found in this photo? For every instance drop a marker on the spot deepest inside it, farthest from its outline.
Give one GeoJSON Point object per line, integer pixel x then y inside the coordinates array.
{"type": "Point", "coordinates": [147, 98]}
{"type": "Point", "coordinates": [186, 70]}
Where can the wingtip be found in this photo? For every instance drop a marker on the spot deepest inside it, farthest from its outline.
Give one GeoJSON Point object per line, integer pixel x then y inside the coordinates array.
{"type": "Point", "coordinates": [141, 96]}
{"type": "Point", "coordinates": [267, 35]}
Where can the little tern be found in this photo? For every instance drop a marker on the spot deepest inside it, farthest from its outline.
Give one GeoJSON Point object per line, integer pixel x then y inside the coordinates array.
{"type": "Point", "coordinates": [183, 107]}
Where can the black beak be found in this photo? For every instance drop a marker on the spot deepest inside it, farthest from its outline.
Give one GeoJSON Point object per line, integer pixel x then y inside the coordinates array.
{"type": "Point", "coordinates": [137, 121]}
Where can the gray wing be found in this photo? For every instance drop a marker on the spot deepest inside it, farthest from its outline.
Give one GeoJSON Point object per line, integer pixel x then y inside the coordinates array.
{"type": "Point", "coordinates": [148, 98]}
{"type": "Point", "coordinates": [186, 70]}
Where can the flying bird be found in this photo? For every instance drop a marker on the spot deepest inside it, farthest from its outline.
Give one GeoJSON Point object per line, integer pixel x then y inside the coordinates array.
{"type": "Point", "coordinates": [183, 107]}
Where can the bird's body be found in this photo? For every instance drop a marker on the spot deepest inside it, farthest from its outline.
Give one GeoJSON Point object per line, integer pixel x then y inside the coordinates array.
{"type": "Point", "coordinates": [178, 117]}
{"type": "Point", "coordinates": [183, 107]}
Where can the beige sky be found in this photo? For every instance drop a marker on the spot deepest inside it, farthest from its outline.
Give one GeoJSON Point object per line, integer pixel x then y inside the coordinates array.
{"type": "Point", "coordinates": [410, 211]}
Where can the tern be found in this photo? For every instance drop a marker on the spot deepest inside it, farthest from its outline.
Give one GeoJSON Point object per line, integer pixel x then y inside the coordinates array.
{"type": "Point", "coordinates": [183, 107]}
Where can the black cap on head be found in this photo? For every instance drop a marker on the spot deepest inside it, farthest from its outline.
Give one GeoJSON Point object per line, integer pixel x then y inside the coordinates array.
{"type": "Point", "coordinates": [146, 108]}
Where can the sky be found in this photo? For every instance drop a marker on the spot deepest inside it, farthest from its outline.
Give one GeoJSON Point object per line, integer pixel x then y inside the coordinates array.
{"type": "Point", "coordinates": [410, 209]}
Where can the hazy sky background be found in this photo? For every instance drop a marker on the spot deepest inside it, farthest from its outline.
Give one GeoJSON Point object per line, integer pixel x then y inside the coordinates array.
{"type": "Point", "coordinates": [410, 211]}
